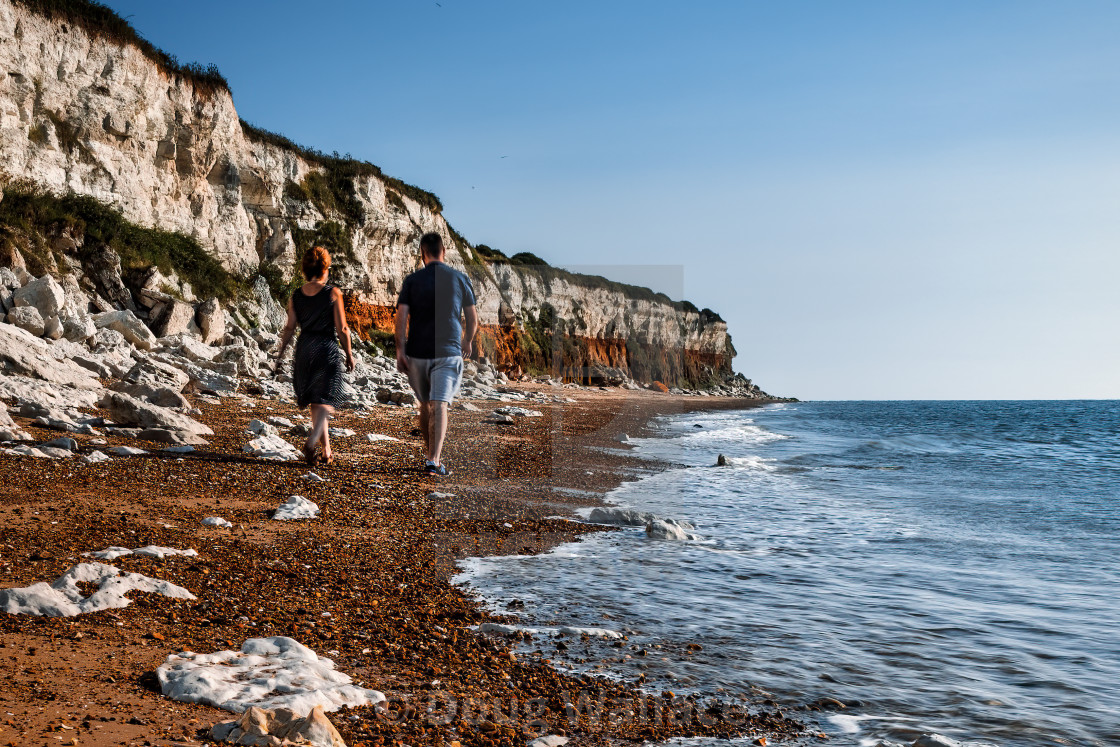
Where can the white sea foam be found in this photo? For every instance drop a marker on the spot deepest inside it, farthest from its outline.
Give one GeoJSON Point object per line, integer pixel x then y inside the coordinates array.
{"type": "Point", "coordinates": [752, 462]}
{"type": "Point", "coordinates": [64, 598]}
{"type": "Point", "coordinates": [271, 673]}
{"type": "Point", "coordinates": [566, 630]}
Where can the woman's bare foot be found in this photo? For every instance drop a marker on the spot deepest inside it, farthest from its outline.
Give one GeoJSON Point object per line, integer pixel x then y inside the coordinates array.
{"type": "Point", "coordinates": [309, 453]}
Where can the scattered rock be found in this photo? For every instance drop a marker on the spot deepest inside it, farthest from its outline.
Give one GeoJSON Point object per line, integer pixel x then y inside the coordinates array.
{"type": "Point", "coordinates": [296, 507]}
{"type": "Point", "coordinates": [626, 517]}
{"type": "Point", "coordinates": [518, 412]}
{"type": "Point", "coordinates": [125, 451]}
{"type": "Point", "coordinates": [272, 447]}
{"type": "Point", "coordinates": [217, 521]}
{"type": "Point", "coordinates": [549, 740]}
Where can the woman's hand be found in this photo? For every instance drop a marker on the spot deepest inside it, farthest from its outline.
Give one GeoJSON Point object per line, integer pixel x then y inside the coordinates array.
{"type": "Point", "coordinates": [349, 361]}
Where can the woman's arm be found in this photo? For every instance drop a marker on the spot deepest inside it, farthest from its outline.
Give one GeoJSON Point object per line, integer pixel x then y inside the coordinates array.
{"type": "Point", "coordinates": [341, 327]}
{"type": "Point", "coordinates": [286, 335]}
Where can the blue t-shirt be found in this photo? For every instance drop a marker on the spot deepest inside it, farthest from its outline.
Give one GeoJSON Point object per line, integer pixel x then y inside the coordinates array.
{"type": "Point", "coordinates": [436, 296]}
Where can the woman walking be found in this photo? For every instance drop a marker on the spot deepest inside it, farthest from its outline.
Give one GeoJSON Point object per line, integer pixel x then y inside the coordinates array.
{"type": "Point", "coordinates": [318, 311]}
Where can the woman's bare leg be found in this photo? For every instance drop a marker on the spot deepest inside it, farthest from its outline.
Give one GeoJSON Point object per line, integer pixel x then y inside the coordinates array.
{"type": "Point", "coordinates": [325, 439]}
{"type": "Point", "coordinates": [320, 432]}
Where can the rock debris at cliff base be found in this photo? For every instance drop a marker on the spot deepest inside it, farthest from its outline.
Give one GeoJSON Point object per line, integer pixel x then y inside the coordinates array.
{"type": "Point", "coordinates": [365, 584]}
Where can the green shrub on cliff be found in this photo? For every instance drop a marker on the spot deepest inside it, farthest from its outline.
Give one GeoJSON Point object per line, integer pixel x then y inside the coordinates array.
{"type": "Point", "coordinates": [102, 22]}
{"type": "Point", "coordinates": [494, 256]}
{"type": "Point", "coordinates": [340, 167]}
{"type": "Point", "coordinates": [38, 215]}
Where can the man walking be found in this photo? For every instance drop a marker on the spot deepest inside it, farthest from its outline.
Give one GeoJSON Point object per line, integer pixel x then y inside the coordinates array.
{"type": "Point", "coordinates": [429, 310]}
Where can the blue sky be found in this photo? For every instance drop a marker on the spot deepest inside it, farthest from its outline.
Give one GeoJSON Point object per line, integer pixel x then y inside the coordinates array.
{"type": "Point", "coordinates": [885, 200]}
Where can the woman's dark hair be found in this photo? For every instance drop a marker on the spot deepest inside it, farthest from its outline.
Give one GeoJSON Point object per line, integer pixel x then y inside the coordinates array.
{"type": "Point", "coordinates": [315, 262]}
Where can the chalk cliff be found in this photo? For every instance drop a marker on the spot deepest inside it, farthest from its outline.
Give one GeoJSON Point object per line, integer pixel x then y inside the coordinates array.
{"type": "Point", "coordinates": [86, 110]}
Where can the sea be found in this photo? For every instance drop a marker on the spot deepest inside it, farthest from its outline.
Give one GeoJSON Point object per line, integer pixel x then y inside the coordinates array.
{"type": "Point", "coordinates": [906, 568]}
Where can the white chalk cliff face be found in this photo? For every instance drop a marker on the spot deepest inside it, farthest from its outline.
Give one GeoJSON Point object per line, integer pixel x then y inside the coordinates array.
{"type": "Point", "coordinates": [85, 115]}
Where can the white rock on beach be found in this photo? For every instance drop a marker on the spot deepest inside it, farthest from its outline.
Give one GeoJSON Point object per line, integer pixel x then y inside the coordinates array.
{"type": "Point", "coordinates": [280, 726]}
{"type": "Point", "coordinates": [64, 598]}
{"type": "Point", "coordinates": [668, 529]}
{"type": "Point", "coordinates": [217, 521]}
{"type": "Point", "coordinates": [109, 553]}
{"type": "Point", "coordinates": [125, 451]}
{"type": "Point", "coordinates": [296, 507]}
{"type": "Point", "coordinates": [155, 551]}
{"type": "Point", "coordinates": [549, 740]}
{"type": "Point", "coordinates": [518, 412]}
{"type": "Point", "coordinates": [626, 517]}
{"type": "Point", "coordinates": [375, 437]}
{"type": "Point", "coordinates": [272, 447]}
{"type": "Point", "coordinates": [270, 673]}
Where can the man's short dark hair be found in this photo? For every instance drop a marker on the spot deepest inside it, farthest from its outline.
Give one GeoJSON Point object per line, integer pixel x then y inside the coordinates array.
{"type": "Point", "coordinates": [431, 245]}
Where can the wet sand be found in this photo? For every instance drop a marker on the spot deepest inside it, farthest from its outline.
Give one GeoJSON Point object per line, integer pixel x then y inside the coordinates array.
{"type": "Point", "coordinates": [378, 560]}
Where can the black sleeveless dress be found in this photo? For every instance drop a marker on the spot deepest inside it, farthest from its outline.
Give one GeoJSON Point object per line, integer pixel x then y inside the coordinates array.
{"type": "Point", "coordinates": [318, 366]}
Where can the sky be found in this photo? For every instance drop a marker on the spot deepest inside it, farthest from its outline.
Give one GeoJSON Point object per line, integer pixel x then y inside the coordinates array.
{"type": "Point", "coordinates": [885, 200]}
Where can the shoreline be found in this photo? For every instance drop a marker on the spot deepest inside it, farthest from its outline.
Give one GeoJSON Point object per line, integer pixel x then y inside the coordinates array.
{"type": "Point", "coordinates": [384, 552]}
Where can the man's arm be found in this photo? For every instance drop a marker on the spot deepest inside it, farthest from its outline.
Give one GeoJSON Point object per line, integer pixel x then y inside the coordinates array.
{"type": "Point", "coordinates": [470, 330]}
{"type": "Point", "coordinates": [402, 329]}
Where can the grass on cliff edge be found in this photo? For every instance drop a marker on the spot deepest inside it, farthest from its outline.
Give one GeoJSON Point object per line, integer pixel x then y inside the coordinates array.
{"type": "Point", "coordinates": [40, 214]}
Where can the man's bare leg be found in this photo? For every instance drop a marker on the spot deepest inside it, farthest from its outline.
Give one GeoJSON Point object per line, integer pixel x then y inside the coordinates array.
{"type": "Point", "coordinates": [424, 418]}
{"type": "Point", "coordinates": [437, 428]}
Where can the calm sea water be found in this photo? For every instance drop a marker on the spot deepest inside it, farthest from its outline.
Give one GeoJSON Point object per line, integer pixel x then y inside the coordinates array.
{"type": "Point", "coordinates": [946, 567]}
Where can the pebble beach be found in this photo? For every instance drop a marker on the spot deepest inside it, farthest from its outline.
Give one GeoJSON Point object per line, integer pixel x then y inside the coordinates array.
{"type": "Point", "coordinates": [363, 582]}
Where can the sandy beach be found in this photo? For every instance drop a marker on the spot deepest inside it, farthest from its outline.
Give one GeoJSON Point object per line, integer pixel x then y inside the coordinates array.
{"type": "Point", "coordinates": [365, 584]}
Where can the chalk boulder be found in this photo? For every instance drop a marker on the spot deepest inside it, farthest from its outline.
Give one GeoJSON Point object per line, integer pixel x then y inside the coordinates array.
{"type": "Point", "coordinates": [129, 410]}
{"type": "Point", "coordinates": [129, 325]}
{"type": "Point", "coordinates": [211, 321]}
{"type": "Point", "coordinates": [45, 295]}
{"type": "Point", "coordinates": [28, 319]}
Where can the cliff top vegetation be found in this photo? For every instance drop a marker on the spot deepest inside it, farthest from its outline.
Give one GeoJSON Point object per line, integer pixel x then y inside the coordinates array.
{"type": "Point", "coordinates": [530, 262]}
{"type": "Point", "coordinates": [102, 22]}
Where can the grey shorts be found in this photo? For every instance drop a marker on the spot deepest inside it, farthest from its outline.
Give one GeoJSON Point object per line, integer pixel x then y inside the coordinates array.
{"type": "Point", "coordinates": [435, 378]}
